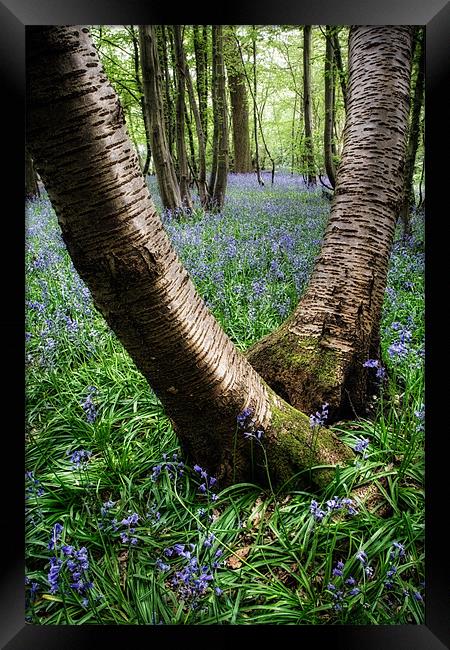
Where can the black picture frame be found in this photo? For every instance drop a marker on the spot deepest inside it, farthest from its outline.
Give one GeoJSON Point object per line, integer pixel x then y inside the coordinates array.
{"type": "Point", "coordinates": [15, 15]}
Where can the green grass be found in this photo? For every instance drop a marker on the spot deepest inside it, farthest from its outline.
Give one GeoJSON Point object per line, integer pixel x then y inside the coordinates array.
{"type": "Point", "coordinates": [275, 563]}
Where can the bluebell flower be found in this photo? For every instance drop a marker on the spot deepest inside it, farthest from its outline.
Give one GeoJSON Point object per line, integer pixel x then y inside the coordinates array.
{"type": "Point", "coordinates": [161, 566]}
{"type": "Point", "coordinates": [53, 574]}
{"type": "Point", "coordinates": [338, 569]}
{"type": "Point", "coordinates": [56, 534]}
{"type": "Point", "coordinates": [320, 417]}
{"type": "Point", "coordinates": [361, 556]}
{"type": "Point", "coordinates": [361, 445]}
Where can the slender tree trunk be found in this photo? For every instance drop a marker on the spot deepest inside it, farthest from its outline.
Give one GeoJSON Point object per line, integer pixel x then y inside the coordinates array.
{"type": "Point", "coordinates": [307, 107]}
{"type": "Point", "coordinates": [255, 110]}
{"type": "Point", "coordinates": [201, 68]}
{"type": "Point", "coordinates": [414, 134]}
{"type": "Point", "coordinates": [202, 185]}
{"type": "Point", "coordinates": [31, 183]}
{"type": "Point", "coordinates": [218, 182]}
{"type": "Point", "coordinates": [183, 169]}
{"type": "Point", "coordinates": [120, 249]}
{"type": "Point", "coordinates": [239, 105]}
{"type": "Point", "coordinates": [339, 65]}
{"type": "Point", "coordinates": [151, 76]}
{"type": "Point", "coordinates": [162, 36]}
{"type": "Point", "coordinates": [317, 355]}
{"type": "Point", "coordinates": [329, 108]}
{"type": "Point", "coordinates": [193, 163]}
{"type": "Point", "coordinates": [137, 76]}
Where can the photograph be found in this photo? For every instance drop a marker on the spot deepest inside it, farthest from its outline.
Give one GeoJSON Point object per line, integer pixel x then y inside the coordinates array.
{"type": "Point", "coordinates": [225, 324]}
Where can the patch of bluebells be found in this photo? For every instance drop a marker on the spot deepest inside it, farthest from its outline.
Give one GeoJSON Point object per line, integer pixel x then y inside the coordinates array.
{"type": "Point", "coordinates": [88, 406]}
{"type": "Point", "coordinates": [79, 458]}
{"type": "Point", "coordinates": [207, 483]}
{"type": "Point", "coordinates": [248, 425]}
{"type": "Point", "coordinates": [341, 589]}
{"type": "Point", "coordinates": [124, 529]}
{"type": "Point", "coordinates": [30, 595]}
{"type": "Point", "coordinates": [33, 486]}
{"type": "Point", "coordinates": [374, 363]}
{"type": "Point", "coordinates": [334, 505]}
{"type": "Point", "coordinates": [264, 241]}
{"type": "Point", "coordinates": [127, 536]}
{"type": "Point", "coordinates": [174, 469]}
{"type": "Point", "coordinates": [70, 566]}
{"type": "Point", "coordinates": [195, 579]}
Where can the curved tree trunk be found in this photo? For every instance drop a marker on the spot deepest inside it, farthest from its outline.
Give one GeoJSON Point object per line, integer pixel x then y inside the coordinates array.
{"type": "Point", "coordinates": [329, 108]}
{"type": "Point", "coordinates": [120, 249]}
{"type": "Point", "coordinates": [219, 173]}
{"type": "Point", "coordinates": [414, 133]}
{"type": "Point", "coordinates": [151, 77]}
{"type": "Point", "coordinates": [317, 355]}
{"type": "Point", "coordinates": [307, 107]}
{"type": "Point", "coordinates": [239, 105]}
{"type": "Point", "coordinates": [183, 169]}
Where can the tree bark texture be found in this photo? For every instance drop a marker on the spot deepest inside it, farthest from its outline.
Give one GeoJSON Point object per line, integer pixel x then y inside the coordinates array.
{"type": "Point", "coordinates": [31, 184]}
{"type": "Point", "coordinates": [414, 133]}
{"type": "Point", "coordinates": [218, 180]}
{"type": "Point", "coordinates": [310, 171]}
{"type": "Point", "coordinates": [183, 169]}
{"type": "Point", "coordinates": [329, 108]}
{"type": "Point", "coordinates": [152, 82]}
{"type": "Point", "coordinates": [77, 135]}
{"type": "Point", "coordinates": [237, 85]}
{"type": "Point", "coordinates": [317, 355]}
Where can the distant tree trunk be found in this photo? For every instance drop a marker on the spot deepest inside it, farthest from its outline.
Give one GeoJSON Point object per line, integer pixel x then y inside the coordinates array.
{"type": "Point", "coordinates": [329, 108]}
{"type": "Point", "coordinates": [120, 249]}
{"type": "Point", "coordinates": [201, 68]}
{"type": "Point", "coordinates": [193, 162]}
{"type": "Point", "coordinates": [137, 76]}
{"type": "Point", "coordinates": [307, 107]}
{"type": "Point", "coordinates": [317, 355]}
{"type": "Point", "coordinates": [151, 76]}
{"type": "Point", "coordinates": [339, 65]}
{"type": "Point", "coordinates": [255, 110]}
{"type": "Point", "coordinates": [31, 183]}
{"type": "Point", "coordinates": [162, 36]}
{"type": "Point", "coordinates": [239, 105]}
{"type": "Point", "coordinates": [183, 169]}
{"type": "Point", "coordinates": [218, 181]}
{"type": "Point", "coordinates": [201, 181]}
{"type": "Point", "coordinates": [414, 133]}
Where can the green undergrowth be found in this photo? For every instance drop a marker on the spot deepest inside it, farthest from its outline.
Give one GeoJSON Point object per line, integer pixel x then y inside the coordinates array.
{"type": "Point", "coordinates": [120, 530]}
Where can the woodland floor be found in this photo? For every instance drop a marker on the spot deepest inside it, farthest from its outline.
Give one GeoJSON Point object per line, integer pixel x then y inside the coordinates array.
{"type": "Point", "coordinates": [119, 530]}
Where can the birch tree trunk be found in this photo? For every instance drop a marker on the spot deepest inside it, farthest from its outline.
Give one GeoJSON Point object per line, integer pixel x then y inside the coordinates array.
{"type": "Point", "coordinates": [329, 108]}
{"type": "Point", "coordinates": [414, 133]}
{"type": "Point", "coordinates": [77, 136]}
{"type": "Point", "coordinates": [317, 355]}
{"type": "Point", "coordinates": [151, 77]}
{"type": "Point", "coordinates": [239, 105]}
{"type": "Point", "coordinates": [307, 107]}
{"type": "Point", "coordinates": [219, 173]}
{"type": "Point", "coordinates": [183, 169]}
